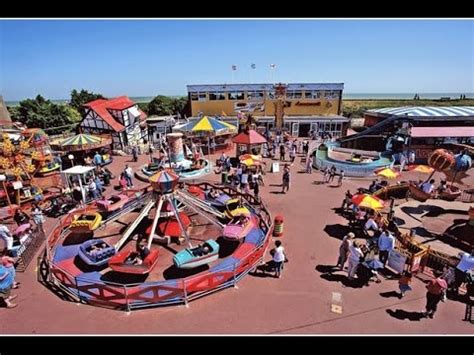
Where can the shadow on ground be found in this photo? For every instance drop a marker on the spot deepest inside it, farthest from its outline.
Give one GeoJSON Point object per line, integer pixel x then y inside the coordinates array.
{"type": "Point", "coordinates": [337, 231]}
{"type": "Point", "coordinates": [405, 315]}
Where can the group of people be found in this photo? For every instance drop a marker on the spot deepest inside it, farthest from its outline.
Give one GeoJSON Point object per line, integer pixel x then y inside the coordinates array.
{"type": "Point", "coordinates": [329, 174]}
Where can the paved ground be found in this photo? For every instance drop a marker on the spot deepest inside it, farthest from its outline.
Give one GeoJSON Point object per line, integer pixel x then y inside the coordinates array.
{"type": "Point", "coordinates": [299, 302]}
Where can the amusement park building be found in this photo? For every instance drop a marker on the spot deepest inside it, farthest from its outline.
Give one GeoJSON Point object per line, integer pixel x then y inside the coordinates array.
{"type": "Point", "coordinates": [120, 117]}
{"type": "Point", "coordinates": [307, 107]}
{"type": "Point", "coordinates": [418, 128]}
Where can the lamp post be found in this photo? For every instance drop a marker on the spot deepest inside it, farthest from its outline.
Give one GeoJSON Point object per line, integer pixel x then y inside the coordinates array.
{"type": "Point", "coordinates": [71, 158]}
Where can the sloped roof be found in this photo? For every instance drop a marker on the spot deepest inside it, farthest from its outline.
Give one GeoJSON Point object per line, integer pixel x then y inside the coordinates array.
{"type": "Point", "coordinates": [101, 107]}
{"type": "Point", "coordinates": [427, 111]}
{"type": "Point", "coordinates": [250, 137]}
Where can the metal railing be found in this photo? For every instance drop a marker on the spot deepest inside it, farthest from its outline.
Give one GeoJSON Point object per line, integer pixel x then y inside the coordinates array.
{"type": "Point", "coordinates": [154, 293]}
{"type": "Point", "coordinates": [28, 248]}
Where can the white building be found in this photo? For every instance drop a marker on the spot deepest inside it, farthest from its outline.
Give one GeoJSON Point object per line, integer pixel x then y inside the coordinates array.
{"type": "Point", "coordinates": [120, 117]}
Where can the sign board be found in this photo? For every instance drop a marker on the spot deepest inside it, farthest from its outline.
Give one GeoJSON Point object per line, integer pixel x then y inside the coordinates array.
{"type": "Point", "coordinates": [396, 261]}
{"type": "Point", "coordinates": [17, 185]}
{"type": "Point", "coordinates": [275, 167]}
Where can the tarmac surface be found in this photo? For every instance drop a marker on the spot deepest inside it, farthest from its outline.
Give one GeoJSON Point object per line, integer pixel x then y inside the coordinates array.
{"type": "Point", "coordinates": [305, 300]}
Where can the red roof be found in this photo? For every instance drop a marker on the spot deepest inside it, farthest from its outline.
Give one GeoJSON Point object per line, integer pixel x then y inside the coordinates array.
{"type": "Point", "coordinates": [250, 137]}
{"type": "Point", "coordinates": [431, 132]}
{"type": "Point", "coordinates": [102, 106]}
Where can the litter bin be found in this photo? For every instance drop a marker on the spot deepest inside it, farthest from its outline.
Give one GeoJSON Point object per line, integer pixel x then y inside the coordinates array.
{"type": "Point", "coordinates": [278, 226]}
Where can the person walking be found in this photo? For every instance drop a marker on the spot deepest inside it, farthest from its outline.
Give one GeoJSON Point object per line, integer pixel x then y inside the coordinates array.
{"type": "Point", "coordinates": [309, 165]}
{"type": "Point", "coordinates": [256, 189]}
{"type": "Point", "coordinates": [436, 291]}
{"type": "Point", "coordinates": [340, 178]}
{"type": "Point", "coordinates": [282, 152]}
{"type": "Point", "coordinates": [344, 250]}
{"type": "Point", "coordinates": [38, 217]}
{"type": "Point", "coordinates": [278, 258]}
{"type": "Point", "coordinates": [404, 284]}
{"type": "Point", "coordinates": [285, 180]}
{"type": "Point", "coordinates": [135, 153]}
{"type": "Point", "coordinates": [292, 154]}
{"type": "Point", "coordinates": [128, 175]}
{"type": "Point", "coordinates": [386, 244]}
{"type": "Point", "coordinates": [332, 174]}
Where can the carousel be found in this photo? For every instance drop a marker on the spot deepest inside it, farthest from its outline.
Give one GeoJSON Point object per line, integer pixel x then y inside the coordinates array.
{"type": "Point", "coordinates": [170, 244]}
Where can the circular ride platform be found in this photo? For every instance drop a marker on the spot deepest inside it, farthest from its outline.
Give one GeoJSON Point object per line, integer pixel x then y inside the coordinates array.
{"type": "Point", "coordinates": [165, 283]}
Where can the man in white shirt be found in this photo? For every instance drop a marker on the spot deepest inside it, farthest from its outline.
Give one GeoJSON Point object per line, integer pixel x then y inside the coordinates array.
{"type": "Point", "coordinates": [128, 175]}
{"type": "Point", "coordinates": [386, 244]}
{"type": "Point", "coordinates": [6, 236]}
{"type": "Point", "coordinates": [428, 187]}
{"type": "Point", "coordinates": [278, 258]}
{"type": "Point", "coordinates": [466, 264]}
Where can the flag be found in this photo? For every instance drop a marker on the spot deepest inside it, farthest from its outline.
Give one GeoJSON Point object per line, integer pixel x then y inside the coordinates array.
{"type": "Point", "coordinates": [234, 67]}
{"type": "Point", "coordinates": [253, 66]}
{"type": "Point", "coordinates": [272, 66]}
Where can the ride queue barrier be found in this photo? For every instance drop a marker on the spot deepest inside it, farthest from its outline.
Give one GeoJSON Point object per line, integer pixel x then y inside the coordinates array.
{"type": "Point", "coordinates": [150, 294]}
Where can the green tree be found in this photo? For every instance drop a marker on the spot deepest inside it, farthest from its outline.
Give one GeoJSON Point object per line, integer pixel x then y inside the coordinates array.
{"type": "Point", "coordinates": [180, 105]}
{"type": "Point", "coordinates": [161, 106]}
{"type": "Point", "coordinates": [42, 113]}
{"type": "Point", "coordinates": [82, 97]}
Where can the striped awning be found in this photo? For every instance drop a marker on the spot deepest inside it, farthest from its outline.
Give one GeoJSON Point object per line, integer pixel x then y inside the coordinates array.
{"type": "Point", "coordinates": [164, 181]}
{"type": "Point", "coordinates": [81, 142]}
{"type": "Point", "coordinates": [209, 125]}
{"type": "Point", "coordinates": [81, 139]}
{"type": "Point", "coordinates": [426, 111]}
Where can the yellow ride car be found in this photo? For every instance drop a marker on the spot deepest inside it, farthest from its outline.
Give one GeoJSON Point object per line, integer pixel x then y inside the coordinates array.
{"type": "Point", "coordinates": [86, 221]}
{"type": "Point", "coordinates": [234, 208]}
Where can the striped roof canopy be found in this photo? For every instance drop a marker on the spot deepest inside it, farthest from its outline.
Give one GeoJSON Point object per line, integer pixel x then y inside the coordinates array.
{"type": "Point", "coordinates": [209, 125]}
{"type": "Point", "coordinates": [164, 181]}
{"type": "Point", "coordinates": [81, 139]}
{"type": "Point", "coordinates": [427, 111]}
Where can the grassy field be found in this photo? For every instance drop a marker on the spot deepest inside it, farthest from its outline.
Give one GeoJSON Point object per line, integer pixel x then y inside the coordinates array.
{"type": "Point", "coordinates": [356, 108]}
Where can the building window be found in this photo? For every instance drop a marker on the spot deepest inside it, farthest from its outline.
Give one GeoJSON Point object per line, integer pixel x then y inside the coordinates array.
{"type": "Point", "coordinates": [213, 96]}
{"type": "Point", "coordinates": [332, 94]}
{"type": "Point", "coordinates": [198, 96]}
{"type": "Point", "coordinates": [236, 95]}
{"type": "Point", "coordinates": [255, 95]}
{"type": "Point", "coordinates": [314, 94]}
{"type": "Point", "coordinates": [294, 94]}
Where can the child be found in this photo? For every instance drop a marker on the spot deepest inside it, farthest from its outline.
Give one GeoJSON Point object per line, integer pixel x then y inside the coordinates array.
{"type": "Point", "coordinates": [404, 283]}
{"type": "Point", "coordinates": [341, 178]}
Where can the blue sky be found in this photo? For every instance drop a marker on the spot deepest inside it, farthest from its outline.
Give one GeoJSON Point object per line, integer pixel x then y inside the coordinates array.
{"type": "Point", "coordinates": [146, 58]}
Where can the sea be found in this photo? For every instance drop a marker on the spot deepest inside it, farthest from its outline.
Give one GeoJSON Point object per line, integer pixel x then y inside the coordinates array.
{"type": "Point", "coordinates": [346, 96]}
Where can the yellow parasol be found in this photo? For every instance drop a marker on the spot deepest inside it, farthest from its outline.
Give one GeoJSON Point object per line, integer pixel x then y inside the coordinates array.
{"type": "Point", "coordinates": [421, 169]}
{"type": "Point", "coordinates": [368, 201]}
{"type": "Point", "coordinates": [388, 173]}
